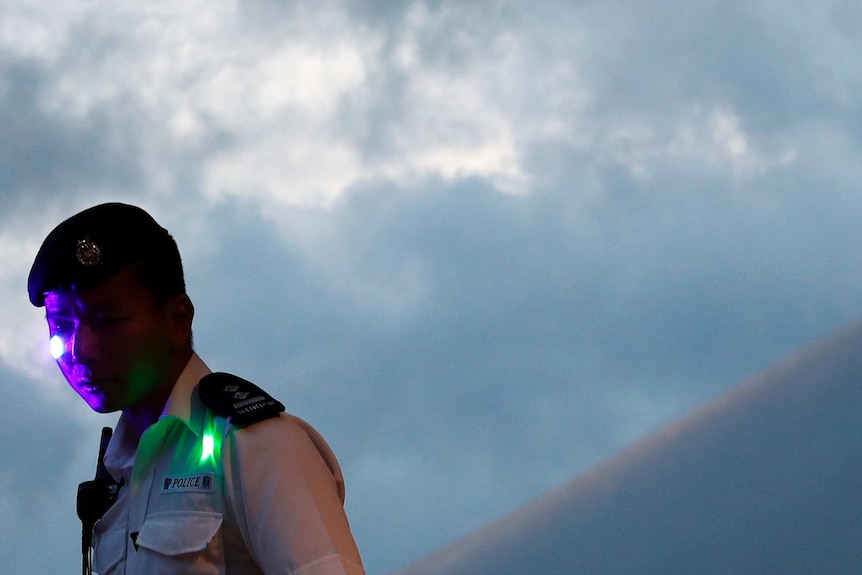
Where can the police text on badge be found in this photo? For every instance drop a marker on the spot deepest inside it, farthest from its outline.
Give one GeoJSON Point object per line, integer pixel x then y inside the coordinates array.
{"type": "Point", "coordinates": [201, 483]}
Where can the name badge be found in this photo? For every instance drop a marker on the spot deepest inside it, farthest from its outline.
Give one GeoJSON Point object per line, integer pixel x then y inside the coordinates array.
{"type": "Point", "coordinates": [201, 483]}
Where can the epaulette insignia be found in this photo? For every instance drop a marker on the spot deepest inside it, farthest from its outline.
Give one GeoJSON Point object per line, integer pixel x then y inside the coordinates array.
{"type": "Point", "coordinates": [237, 399]}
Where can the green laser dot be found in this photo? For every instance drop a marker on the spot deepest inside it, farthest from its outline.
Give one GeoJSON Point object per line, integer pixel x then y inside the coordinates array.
{"type": "Point", "coordinates": [207, 446]}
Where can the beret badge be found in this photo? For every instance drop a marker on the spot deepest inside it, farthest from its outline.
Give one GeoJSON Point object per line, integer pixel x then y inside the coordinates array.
{"type": "Point", "coordinates": [88, 253]}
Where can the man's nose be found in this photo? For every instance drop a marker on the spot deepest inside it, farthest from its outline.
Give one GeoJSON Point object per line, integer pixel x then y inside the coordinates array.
{"type": "Point", "coordinates": [85, 346]}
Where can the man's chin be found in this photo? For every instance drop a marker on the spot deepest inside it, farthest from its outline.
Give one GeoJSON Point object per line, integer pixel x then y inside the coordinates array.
{"type": "Point", "coordinates": [100, 404]}
{"type": "Point", "coordinates": [104, 409]}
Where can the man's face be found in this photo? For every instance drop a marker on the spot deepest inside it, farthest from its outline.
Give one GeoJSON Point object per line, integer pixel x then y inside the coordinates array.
{"type": "Point", "coordinates": [116, 342]}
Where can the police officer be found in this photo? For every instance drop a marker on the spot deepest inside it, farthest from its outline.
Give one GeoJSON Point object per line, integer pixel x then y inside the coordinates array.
{"type": "Point", "coordinates": [213, 475]}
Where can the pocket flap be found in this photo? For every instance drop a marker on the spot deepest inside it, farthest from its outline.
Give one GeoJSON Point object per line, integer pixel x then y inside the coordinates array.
{"type": "Point", "coordinates": [178, 532]}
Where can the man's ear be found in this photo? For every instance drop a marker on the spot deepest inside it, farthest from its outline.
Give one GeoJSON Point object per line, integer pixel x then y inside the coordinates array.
{"type": "Point", "coordinates": [181, 312]}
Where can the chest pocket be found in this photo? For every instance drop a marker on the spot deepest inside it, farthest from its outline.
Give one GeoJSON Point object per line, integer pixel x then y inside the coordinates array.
{"type": "Point", "coordinates": [186, 542]}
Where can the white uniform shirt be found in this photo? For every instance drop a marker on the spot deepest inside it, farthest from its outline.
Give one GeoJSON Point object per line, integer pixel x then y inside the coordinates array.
{"type": "Point", "coordinates": [201, 496]}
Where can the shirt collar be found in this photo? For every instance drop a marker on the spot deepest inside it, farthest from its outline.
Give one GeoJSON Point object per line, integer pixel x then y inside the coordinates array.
{"type": "Point", "coordinates": [180, 402]}
{"type": "Point", "coordinates": [183, 404]}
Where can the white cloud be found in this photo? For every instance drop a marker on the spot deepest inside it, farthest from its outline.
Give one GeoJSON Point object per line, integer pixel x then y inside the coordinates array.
{"type": "Point", "coordinates": [270, 97]}
{"type": "Point", "coordinates": [22, 332]}
{"type": "Point", "coordinates": [459, 122]}
{"type": "Point", "coordinates": [448, 123]}
{"type": "Point", "coordinates": [455, 130]}
{"type": "Point", "coordinates": [712, 139]}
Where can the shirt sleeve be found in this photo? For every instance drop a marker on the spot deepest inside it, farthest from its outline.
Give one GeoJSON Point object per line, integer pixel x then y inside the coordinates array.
{"type": "Point", "coordinates": [286, 491]}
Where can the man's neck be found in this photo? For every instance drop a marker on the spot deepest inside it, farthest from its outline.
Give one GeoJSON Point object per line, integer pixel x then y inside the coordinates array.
{"type": "Point", "coordinates": [143, 415]}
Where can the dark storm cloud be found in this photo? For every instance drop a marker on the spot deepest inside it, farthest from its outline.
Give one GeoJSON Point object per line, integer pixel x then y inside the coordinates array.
{"type": "Point", "coordinates": [522, 334]}
{"type": "Point", "coordinates": [47, 154]}
{"type": "Point", "coordinates": [41, 437]}
{"type": "Point", "coordinates": [756, 58]}
{"type": "Point", "coordinates": [33, 456]}
{"type": "Point", "coordinates": [464, 350]}
{"type": "Point", "coordinates": [760, 481]}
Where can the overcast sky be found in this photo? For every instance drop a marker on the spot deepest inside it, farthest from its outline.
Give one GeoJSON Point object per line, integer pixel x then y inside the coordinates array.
{"type": "Point", "coordinates": [481, 246]}
{"type": "Point", "coordinates": [762, 480]}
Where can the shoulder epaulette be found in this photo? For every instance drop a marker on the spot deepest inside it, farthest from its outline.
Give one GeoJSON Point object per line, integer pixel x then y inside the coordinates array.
{"type": "Point", "coordinates": [237, 399]}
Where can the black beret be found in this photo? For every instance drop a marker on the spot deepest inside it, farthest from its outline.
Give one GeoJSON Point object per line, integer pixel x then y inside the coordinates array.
{"type": "Point", "coordinates": [95, 244]}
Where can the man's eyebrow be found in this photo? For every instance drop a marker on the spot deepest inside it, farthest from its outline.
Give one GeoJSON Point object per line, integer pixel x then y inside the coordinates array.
{"type": "Point", "coordinates": [104, 307]}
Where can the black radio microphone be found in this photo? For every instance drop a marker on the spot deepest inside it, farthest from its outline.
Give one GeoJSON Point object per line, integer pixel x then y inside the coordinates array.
{"type": "Point", "coordinates": [94, 499]}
